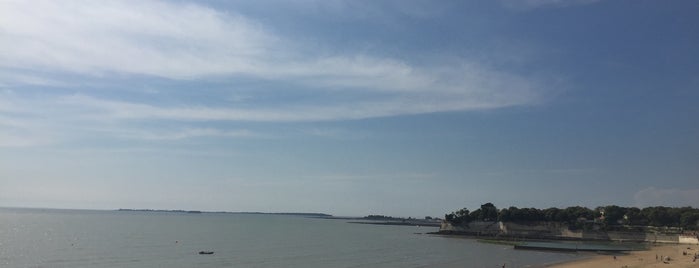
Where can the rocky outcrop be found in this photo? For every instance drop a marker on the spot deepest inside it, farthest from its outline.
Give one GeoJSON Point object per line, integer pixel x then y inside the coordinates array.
{"type": "Point", "coordinates": [478, 228]}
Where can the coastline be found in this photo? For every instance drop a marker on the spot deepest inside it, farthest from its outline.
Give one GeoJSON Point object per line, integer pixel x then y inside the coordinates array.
{"type": "Point", "coordinates": [651, 255]}
{"type": "Point", "coordinates": [640, 259]}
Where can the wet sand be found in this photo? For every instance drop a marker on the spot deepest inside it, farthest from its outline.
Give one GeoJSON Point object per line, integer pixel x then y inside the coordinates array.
{"type": "Point", "coordinates": [645, 258]}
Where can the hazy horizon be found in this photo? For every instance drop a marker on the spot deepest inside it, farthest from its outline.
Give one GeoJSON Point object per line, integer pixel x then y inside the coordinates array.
{"type": "Point", "coordinates": [351, 108]}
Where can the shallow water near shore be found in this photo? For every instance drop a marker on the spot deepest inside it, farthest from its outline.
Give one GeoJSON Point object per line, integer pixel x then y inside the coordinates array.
{"type": "Point", "coordinates": [82, 238]}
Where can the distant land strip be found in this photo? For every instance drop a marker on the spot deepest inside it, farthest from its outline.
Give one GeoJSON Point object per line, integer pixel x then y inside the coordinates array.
{"type": "Point", "coordinates": [303, 214]}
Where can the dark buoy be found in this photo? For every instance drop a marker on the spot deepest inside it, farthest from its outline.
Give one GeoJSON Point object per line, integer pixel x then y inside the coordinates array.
{"type": "Point", "coordinates": [206, 252]}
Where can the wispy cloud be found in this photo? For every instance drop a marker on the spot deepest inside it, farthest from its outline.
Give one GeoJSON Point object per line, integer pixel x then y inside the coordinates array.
{"type": "Point", "coordinates": [22, 132]}
{"type": "Point", "coordinates": [396, 178]}
{"type": "Point", "coordinates": [14, 139]}
{"type": "Point", "coordinates": [188, 133]}
{"type": "Point", "coordinates": [533, 4]}
{"type": "Point", "coordinates": [70, 118]}
{"type": "Point", "coordinates": [180, 41]}
{"type": "Point", "coordinates": [187, 41]}
{"type": "Point", "coordinates": [110, 109]}
{"type": "Point", "coordinates": [149, 37]}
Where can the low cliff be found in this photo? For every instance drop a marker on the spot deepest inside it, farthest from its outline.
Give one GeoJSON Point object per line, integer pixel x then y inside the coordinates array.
{"type": "Point", "coordinates": [478, 228]}
{"type": "Point", "coordinates": [561, 231]}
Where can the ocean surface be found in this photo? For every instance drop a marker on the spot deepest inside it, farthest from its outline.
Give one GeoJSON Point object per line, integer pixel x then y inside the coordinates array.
{"type": "Point", "coordinates": [83, 238]}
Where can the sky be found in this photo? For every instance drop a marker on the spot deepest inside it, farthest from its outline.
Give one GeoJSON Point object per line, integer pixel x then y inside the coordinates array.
{"type": "Point", "coordinates": [403, 108]}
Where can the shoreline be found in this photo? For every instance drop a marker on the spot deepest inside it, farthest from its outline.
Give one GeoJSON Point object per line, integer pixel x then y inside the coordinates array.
{"type": "Point", "coordinates": [640, 259]}
{"type": "Point", "coordinates": [680, 255]}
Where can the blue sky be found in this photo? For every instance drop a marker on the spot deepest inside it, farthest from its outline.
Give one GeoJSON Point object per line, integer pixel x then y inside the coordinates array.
{"type": "Point", "coordinates": [406, 108]}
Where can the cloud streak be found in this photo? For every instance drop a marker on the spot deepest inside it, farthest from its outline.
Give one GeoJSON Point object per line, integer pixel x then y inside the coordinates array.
{"type": "Point", "coordinates": [112, 40]}
{"type": "Point", "coordinates": [151, 38]}
{"type": "Point", "coordinates": [187, 41]}
{"type": "Point", "coordinates": [178, 42]}
{"type": "Point", "coordinates": [534, 4]}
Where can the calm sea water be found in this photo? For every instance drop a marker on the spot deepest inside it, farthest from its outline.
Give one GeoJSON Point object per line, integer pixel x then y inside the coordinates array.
{"type": "Point", "coordinates": [78, 238]}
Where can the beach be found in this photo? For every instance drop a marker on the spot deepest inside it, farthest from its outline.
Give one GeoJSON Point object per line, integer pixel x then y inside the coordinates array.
{"type": "Point", "coordinates": [647, 258]}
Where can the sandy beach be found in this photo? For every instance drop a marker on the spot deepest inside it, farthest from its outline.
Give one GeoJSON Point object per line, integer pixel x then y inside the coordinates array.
{"type": "Point", "coordinates": [647, 258]}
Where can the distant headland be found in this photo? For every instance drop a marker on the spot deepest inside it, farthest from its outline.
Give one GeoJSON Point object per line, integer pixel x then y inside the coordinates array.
{"type": "Point", "coordinates": [388, 220]}
{"type": "Point", "coordinates": [609, 223]}
{"type": "Point", "coordinates": [301, 214]}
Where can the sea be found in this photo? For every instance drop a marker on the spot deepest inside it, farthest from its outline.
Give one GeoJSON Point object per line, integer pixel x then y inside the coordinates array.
{"type": "Point", "coordinates": [89, 238]}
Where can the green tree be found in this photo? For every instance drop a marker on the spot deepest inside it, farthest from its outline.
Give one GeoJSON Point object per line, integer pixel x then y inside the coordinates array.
{"type": "Point", "coordinates": [488, 212]}
{"type": "Point", "coordinates": [458, 217]}
{"type": "Point", "coordinates": [551, 214]}
{"type": "Point", "coordinates": [575, 215]}
{"type": "Point", "coordinates": [504, 215]}
{"type": "Point", "coordinates": [633, 216]}
{"type": "Point", "coordinates": [659, 216]}
{"type": "Point", "coordinates": [581, 217]}
{"type": "Point", "coordinates": [476, 214]}
{"type": "Point", "coordinates": [613, 215]}
{"type": "Point", "coordinates": [690, 219]}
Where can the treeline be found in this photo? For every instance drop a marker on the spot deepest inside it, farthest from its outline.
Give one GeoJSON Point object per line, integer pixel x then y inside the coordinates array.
{"type": "Point", "coordinates": [381, 217]}
{"type": "Point", "coordinates": [582, 217]}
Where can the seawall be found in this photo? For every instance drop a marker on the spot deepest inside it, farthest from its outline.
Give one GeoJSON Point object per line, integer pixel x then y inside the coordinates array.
{"type": "Point", "coordinates": [560, 231]}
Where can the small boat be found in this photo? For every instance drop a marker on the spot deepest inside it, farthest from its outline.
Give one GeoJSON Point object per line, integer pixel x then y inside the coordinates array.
{"type": "Point", "coordinates": [206, 252]}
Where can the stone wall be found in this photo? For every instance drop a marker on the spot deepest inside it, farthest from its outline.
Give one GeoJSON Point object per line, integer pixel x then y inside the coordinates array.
{"type": "Point", "coordinates": [536, 230]}
{"type": "Point", "coordinates": [554, 230]}
{"type": "Point", "coordinates": [472, 228]}
{"type": "Point", "coordinates": [687, 239]}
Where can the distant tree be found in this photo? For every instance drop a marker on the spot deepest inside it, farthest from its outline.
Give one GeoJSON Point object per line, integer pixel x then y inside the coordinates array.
{"type": "Point", "coordinates": [659, 216]}
{"type": "Point", "coordinates": [524, 214]}
{"type": "Point", "coordinates": [488, 212]}
{"type": "Point", "coordinates": [504, 215]}
{"type": "Point", "coordinates": [463, 213]}
{"type": "Point", "coordinates": [378, 217]}
{"type": "Point", "coordinates": [578, 213]}
{"type": "Point", "coordinates": [612, 214]}
{"type": "Point", "coordinates": [582, 217]}
{"type": "Point", "coordinates": [476, 214]}
{"type": "Point", "coordinates": [458, 217]}
{"type": "Point", "coordinates": [516, 214]}
{"type": "Point", "coordinates": [633, 216]}
{"type": "Point", "coordinates": [551, 214]}
{"type": "Point", "coordinates": [533, 214]}
{"type": "Point", "coordinates": [690, 220]}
